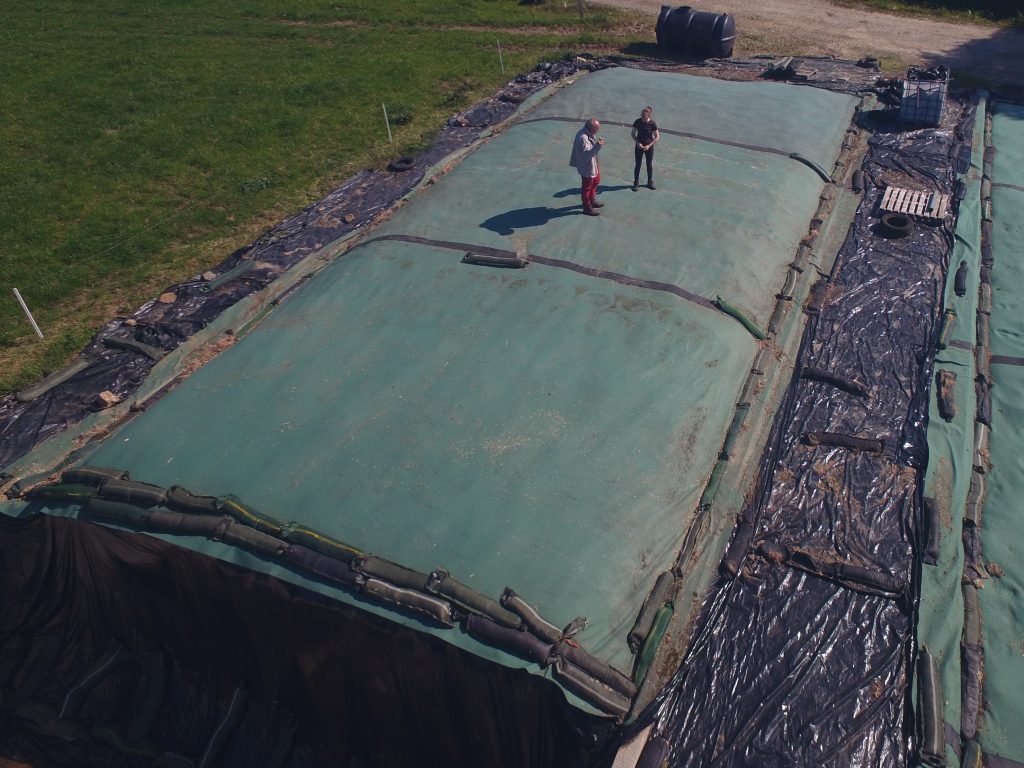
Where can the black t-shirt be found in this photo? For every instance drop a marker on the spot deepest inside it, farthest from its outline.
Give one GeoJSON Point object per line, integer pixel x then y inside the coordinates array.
{"type": "Point", "coordinates": [645, 131]}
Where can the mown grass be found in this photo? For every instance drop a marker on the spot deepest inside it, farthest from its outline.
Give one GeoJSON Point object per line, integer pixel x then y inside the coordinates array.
{"type": "Point", "coordinates": [144, 141]}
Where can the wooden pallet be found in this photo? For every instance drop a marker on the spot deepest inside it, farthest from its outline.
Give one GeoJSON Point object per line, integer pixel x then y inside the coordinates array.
{"type": "Point", "coordinates": [928, 205]}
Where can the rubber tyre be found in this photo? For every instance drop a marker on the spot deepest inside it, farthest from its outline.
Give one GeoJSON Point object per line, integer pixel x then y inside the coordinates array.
{"type": "Point", "coordinates": [897, 224]}
{"type": "Point", "coordinates": [401, 164]}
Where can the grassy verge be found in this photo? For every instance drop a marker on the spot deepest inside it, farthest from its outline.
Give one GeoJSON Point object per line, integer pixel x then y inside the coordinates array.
{"type": "Point", "coordinates": [1004, 12]}
{"type": "Point", "coordinates": [144, 141]}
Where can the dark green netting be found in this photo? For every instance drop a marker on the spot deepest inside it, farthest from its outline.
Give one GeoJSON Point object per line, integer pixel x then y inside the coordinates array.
{"type": "Point", "coordinates": [1002, 530]}
{"type": "Point", "coordinates": [429, 426]}
{"type": "Point", "coordinates": [950, 459]}
{"type": "Point", "coordinates": [548, 429]}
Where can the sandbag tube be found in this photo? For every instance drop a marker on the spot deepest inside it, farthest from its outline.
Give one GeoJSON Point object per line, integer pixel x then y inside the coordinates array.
{"type": "Point", "coordinates": [54, 380]}
{"type": "Point", "coordinates": [596, 668]}
{"type": "Point", "coordinates": [862, 444]}
{"type": "Point", "coordinates": [243, 513]}
{"type": "Point", "coordinates": [840, 382]}
{"type": "Point", "coordinates": [985, 299]}
{"type": "Point", "coordinates": [489, 260]}
{"type": "Point", "coordinates": [775, 322]}
{"type": "Point", "coordinates": [757, 367]}
{"type": "Point", "coordinates": [328, 568]}
{"type": "Point", "coordinates": [948, 323]}
{"type": "Point", "coordinates": [789, 285]}
{"type": "Point", "coordinates": [980, 446]}
{"type": "Point", "coordinates": [531, 619]}
{"type": "Point", "coordinates": [737, 551]}
{"type": "Point", "coordinates": [582, 661]}
{"type": "Point", "coordinates": [734, 431]}
{"type": "Point", "coordinates": [117, 512]}
{"type": "Point", "coordinates": [240, 535]}
{"type": "Point", "coordinates": [514, 641]}
{"type": "Point", "coordinates": [659, 593]}
{"type": "Point", "coordinates": [982, 326]}
{"type": "Point", "coordinates": [747, 323]}
{"type": "Point", "coordinates": [654, 753]}
{"type": "Point", "coordinates": [975, 498]}
{"type": "Point", "coordinates": [181, 524]}
{"type": "Point", "coordinates": [591, 690]}
{"type": "Point", "coordinates": [855, 577]}
{"type": "Point", "coordinates": [393, 573]}
{"type": "Point", "coordinates": [645, 657]}
{"type": "Point", "coordinates": [417, 602]}
{"type": "Point", "coordinates": [812, 165]}
{"type": "Point", "coordinates": [299, 534]}
{"type": "Point", "coordinates": [440, 582]}
{"type": "Point", "coordinates": [240, 269]}
{"type": "Point", "coordinates": [181, 500]}
{"type": "Point", "coordinates": [930, 710]}
{"type": "Point", "coordinates": [749, 390]}
{"type": "Point", "coordinates": [92, 475]}
{"type": "Point", "coordinates": [73, 493]}
{"type": "Point", "coordinates": [984, 410]}
{"type": "Point", "coordinates": [120, 342]}
{"type": "Point", "coordinates": [707, 498]}
{"type": "Point", "coordinates": [132, 492]}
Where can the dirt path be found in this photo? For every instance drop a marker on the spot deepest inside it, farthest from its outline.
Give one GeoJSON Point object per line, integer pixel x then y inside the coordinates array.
{"type": "Point", "coordinates": [821, 28]}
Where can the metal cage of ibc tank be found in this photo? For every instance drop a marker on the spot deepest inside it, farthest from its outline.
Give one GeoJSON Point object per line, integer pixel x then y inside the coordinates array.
{"type": "Point", "coordinates": [924, 95]}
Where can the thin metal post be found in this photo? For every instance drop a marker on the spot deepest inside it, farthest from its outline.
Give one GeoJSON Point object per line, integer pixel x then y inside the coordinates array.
{"type": "Point", "coordinates": [28, 314]}
{"type": "Point", "coordinates": [500, 60]}
{"type": "Point", "coordinates": [387, 123]}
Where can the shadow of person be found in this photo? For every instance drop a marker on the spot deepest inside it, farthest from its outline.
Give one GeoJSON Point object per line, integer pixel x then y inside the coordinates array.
{"type": "Point", "coordinates": [522, 218]}
{"type": "Point", "coordinates": [575, 191]}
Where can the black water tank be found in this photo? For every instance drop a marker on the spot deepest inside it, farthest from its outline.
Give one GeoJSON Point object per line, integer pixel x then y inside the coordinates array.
{"type": "Point", "coordinates": [695, 34]}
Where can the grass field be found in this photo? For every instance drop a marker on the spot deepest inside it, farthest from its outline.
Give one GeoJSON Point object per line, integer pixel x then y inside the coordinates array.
{"type": "Point", "coordinates": [143, 141]}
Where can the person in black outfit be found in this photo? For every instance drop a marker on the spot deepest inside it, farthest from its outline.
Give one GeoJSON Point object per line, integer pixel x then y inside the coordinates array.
{"type": "Point", "coordinates": [645, 134]}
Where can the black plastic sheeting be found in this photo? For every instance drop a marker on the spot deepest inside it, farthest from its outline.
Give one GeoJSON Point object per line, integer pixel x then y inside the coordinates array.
{"type": "Point", "coordinates": [805, 657]}
{"type": "Point", "coordinates": [119, 649]}
{"type": "Point", "coordinates": [353, 205]}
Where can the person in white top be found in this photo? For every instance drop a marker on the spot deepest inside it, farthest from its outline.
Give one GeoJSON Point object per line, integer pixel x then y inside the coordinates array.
{"type": "Point", "coordinates": [585, 148]}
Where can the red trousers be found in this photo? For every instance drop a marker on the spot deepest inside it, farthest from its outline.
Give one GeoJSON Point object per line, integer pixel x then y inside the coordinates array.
{"type": "Point", "coordinates": [590, 189]}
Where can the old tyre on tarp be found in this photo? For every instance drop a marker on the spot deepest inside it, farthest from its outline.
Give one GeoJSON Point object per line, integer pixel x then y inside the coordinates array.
{"type": "Point", "coordinates": [401, 164]}
{"type": "Point", "coordinates": [897, 225]}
